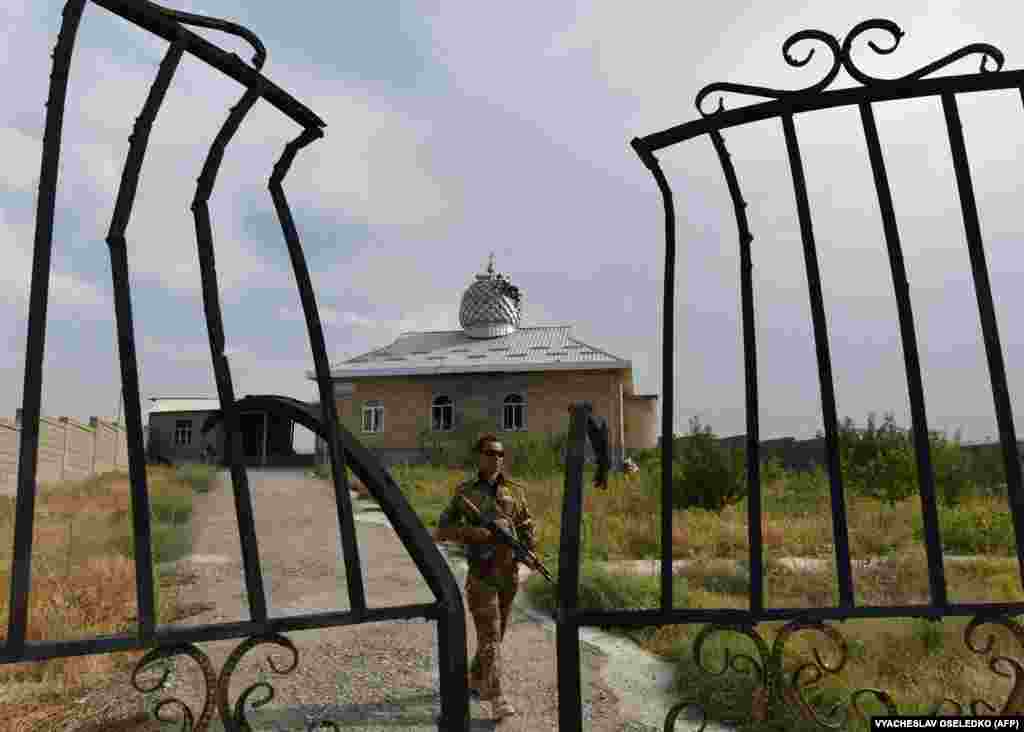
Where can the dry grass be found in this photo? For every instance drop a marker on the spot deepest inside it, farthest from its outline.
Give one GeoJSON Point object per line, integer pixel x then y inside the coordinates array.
{"type": "Point", "coordinates": [916, 661]}
{"type": "Point", "coordinates": [82, 584]}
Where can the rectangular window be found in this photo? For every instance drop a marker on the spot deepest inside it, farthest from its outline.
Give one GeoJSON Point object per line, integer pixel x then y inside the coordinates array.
{"type": "Point", "coordinates": [183, 432]}
{"type": "Point", "coordinates": [373, 418]}
{"type": "Point", "coordinates": [513, 417]}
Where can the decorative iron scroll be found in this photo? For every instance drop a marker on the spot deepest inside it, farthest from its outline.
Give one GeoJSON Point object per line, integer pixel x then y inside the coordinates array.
{"type": "Point", "coordinates": [217, 686]}
{"type": "Point", "coordinates": [776, 693]}
{"type": "Point", "coordinates": [841, 59]}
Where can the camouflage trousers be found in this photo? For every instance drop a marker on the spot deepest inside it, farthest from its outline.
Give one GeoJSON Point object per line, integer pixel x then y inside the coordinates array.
{"type": "Point", "coordinates": [490, 608]}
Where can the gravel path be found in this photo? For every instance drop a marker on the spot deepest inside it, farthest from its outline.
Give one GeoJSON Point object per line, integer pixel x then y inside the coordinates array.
{"type": "Point", "coordinates": [372, 676]}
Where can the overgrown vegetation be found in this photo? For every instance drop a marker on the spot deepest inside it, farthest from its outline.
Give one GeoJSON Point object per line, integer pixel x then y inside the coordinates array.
{"type": "Point", "coordinates": [198, 475]}
{"type": "Point", "coordinates": [83, 576]}
{"type": "Point", "coordinates": [917, 661]}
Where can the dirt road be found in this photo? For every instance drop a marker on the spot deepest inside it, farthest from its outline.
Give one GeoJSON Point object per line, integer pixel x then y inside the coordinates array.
{"type": "Point", "coordinates": [384, 672]}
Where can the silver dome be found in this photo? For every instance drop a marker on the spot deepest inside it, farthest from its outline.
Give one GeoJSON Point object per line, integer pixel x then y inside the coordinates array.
{"type": "Point", "coordinates": [490, 306]}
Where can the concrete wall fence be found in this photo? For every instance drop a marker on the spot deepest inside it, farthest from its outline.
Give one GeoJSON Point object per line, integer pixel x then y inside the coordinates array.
{"type": "Point", "coordinates": [68, 450]}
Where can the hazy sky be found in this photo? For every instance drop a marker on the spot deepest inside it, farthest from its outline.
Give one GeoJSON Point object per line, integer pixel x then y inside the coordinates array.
{"type": "Point", "coordinates": [455, 129]}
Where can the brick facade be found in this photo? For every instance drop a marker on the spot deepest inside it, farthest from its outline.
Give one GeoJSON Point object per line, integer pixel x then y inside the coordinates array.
{"type": "Point", "coordinates": [407, 402]}
{"type": "Point", "coordinates": [641, 426]}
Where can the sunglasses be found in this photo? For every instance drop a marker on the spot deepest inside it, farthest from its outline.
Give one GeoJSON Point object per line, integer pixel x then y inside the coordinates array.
{"type": "Point", "coordinates": [494, 453]}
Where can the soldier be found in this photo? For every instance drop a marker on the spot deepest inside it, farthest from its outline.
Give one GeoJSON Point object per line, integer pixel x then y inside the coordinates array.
{"type": "Point", "coordinates": [493, 577]}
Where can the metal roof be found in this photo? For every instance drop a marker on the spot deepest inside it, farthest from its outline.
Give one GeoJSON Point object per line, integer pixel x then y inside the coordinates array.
{"type": "Point", "coordinates": [452, 351]}
{"type": "Point", "coordinates": [176, 404]}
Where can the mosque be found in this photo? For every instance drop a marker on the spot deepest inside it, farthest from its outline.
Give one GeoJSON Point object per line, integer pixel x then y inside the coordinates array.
{"type": "Point", "coordinates": [494, 372]}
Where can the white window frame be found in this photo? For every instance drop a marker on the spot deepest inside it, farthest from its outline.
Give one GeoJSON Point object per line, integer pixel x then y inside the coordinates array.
{"type": "Point", "coordinates": [511, 404]}
{"type": "Point", "coordinates": [441, 404]}
{"type": "Point", "coordinates": [373, 417]}
{"type": "Point", "coordinates": [182, 433]}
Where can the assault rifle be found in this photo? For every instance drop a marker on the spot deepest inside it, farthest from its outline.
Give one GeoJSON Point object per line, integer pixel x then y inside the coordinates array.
{"type": "Point", "coordinates": [523, 555]}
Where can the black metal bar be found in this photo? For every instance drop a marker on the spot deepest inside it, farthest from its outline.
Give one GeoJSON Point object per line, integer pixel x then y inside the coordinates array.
{"type": "Point", "coordinates": [453, 667]}
{"type": "Point", "coordinates": [638, 618]}
{"type": "Point", "coordinates": [449, 610]}
{"type": "Point", "coordinates": [567, 634]}
{"type": "Point", "coordinates": [343, 501]}
{"type": "Point", "coordinates": [42, 650]}
{"type": "Point", "coordinates": [989, 326]}
{"type": "Point", "coordinates": [667, 344]}
{"type": "Point", "coordinates": [25, 503]}
{"type": "Point", "coordinates": [922, 447]}
{"type": "Point", "coordinates": [404, 521]}
{"type": "Point", "coordinates": [899, 89]}
{"type": "Point", "coordinates": [828, 398]}
{"type": "Point", "coordinates": [126, 339]}
{"type": "Point", "coordinates": [173, 635]}
{"type": "Point", "coordinates": [750, 366]}
{"type": "Point", "coordinates": [215, 329]}
{"type": "Point", "coordinates": [154, 21]}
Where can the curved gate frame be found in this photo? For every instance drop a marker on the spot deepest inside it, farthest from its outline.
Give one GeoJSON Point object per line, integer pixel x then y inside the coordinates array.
{"type": "Point", "coordinates": [785, 104]}
{"type": "Point", "coordinates": [345, 450]}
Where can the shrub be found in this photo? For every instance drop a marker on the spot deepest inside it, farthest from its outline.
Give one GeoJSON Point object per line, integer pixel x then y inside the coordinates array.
{"type": "Point", "coordinates": [706, 475]}
{"type": "Point", "coordinates": [647, 458]}
{"type": "Point", "coordinates": [170, 542]}
{"type": "Point", "coordinates": [952, 477]}
{"type": "Point", "coordinates": [323, 471]}
{"type": "Point", "coordinates": [974, 530]}
{"type": "Point", "coordinates": [878, 461]}
{"type": "Point", "coordinates": [454, 448]}
{"type": "Point", "coordinates": [808, 483]}
{"type": "Point", "coordinates": [199, 476]}
{"type": "Point", "coordinates": [772, 470]}
{"type": "Point", "coordinates": [986, 468]}
{"type": "Point", "coordinates": [170, 508]}
{"type": "Point", "coordinates": [603, 590]}
{"type": "Point", "coordinates": [535, 456]}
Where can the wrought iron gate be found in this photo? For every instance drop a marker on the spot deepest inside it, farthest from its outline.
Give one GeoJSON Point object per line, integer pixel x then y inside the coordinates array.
{"type": "Point", "coordinates": [345, 451]}
{"type": "Point", "coordinates": [166, 642]}
{"type": "Point", "coordinates": [774, 688]}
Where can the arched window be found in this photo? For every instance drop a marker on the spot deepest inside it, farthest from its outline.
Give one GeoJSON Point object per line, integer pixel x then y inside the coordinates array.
{"type": "Point", "coordinates": [373, 416]}
{"type": "Point", "coordinates": [442, 412]}
{"type": "Point", "coordinates": [514, 413]}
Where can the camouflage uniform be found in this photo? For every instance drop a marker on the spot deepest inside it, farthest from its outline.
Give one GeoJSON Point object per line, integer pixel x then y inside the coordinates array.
{"type": "Point", "coordinates": [492, 582]}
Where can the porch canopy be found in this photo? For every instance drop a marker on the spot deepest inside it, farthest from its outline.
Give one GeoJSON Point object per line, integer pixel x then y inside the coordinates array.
{"type": "Point", "coordinates": [304, 413]}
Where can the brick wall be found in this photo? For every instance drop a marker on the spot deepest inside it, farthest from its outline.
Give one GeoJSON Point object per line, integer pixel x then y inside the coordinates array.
{"type": "Point", "coordinates": [68, 450]}
{"type": "Point", "coordinates": [641, 426]}
{"type": "Point", "coordinates": [407, 403]}
{"type": "Point", "coordinates": [551, 393]}
{"type": "Point", "coordinates": [9, 435]}
{"type": "Point", "coordinates": [78, 460]}
{"type": "Point", "coordinates": [106, 438]}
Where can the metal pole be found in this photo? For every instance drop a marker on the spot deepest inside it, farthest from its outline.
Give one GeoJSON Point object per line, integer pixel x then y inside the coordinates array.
{"type": "Point", "coordinates": [264, 456]}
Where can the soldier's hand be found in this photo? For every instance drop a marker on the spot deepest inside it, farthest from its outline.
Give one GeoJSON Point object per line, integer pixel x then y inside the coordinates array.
{"type": "Point", "coordinates": [504, 525]}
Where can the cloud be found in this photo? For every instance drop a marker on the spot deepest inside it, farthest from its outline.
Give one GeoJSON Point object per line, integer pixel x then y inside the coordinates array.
{"type": "Point", "coordinates": [194, 352]}
{"type": "Point", "coordinates": [22, 157]}
{"type": "Point", "coordinates": [372, 162]}
{"type": "Point", "coordinates": [371, 165]}
{"type": "Point", "coordinates": [66, 289]}
{"type": "Point", "coordinates": [329, 316]}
